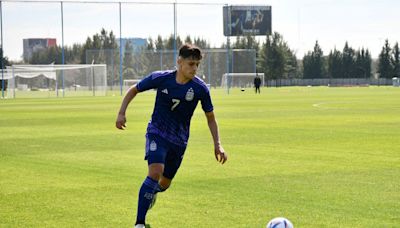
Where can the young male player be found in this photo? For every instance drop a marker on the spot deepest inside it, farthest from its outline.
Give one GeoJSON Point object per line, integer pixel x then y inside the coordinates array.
{"type": "Point", "coordinates": [178, 93]}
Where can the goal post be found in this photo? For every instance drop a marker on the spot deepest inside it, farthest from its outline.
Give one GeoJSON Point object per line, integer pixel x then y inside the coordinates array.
{"type": "Point", "coordinates": [240, 80]}
{"type": "Point", "coordinates": [56, 80]}
{"type": "Point", "coordinates": [127, 83]}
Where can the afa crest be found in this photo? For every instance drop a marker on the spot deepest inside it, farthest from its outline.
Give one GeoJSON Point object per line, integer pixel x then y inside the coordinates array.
{"type": "Point", "coordinates": [153, 146]}
{"type": "Point", "coordinates": [189, 94]}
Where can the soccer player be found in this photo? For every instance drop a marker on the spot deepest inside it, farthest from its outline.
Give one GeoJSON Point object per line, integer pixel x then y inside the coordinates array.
{"type": "Point", "coordinates": [178, 93]}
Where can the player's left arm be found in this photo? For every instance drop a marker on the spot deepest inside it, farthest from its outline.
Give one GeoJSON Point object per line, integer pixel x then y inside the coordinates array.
{"type": "Point", "coordinates": [220, 154]}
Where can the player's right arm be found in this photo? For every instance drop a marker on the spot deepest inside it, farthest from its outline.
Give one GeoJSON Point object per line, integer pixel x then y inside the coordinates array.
{"type": "Point", "coordinates": [121, 118]}
{"type": "Point", "coordinates": [149, 82]}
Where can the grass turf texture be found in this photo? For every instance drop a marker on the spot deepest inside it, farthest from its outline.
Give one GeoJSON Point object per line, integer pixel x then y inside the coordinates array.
{"type": "Point", "coordinates": [322, 157]}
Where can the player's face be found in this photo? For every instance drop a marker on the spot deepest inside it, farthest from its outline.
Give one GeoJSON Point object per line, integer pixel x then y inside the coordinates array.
{"type": "Point", "coordinates": [188, 67]}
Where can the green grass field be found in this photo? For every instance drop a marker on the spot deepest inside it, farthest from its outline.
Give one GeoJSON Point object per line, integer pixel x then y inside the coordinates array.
{"type": "Point", "coordinates": [322, 157]}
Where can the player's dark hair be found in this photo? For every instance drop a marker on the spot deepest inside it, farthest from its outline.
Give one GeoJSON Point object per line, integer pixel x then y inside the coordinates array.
{"type": "Point", "coordinates": [190, 51]}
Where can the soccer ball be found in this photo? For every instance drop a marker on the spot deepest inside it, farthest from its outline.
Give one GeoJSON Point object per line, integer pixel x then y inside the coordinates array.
{"type": "Point", "coordinates": [280, 222]}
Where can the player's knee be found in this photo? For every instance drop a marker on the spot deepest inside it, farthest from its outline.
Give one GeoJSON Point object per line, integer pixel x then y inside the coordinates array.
{"type": "Point", "coordinates": [155, 171]}
{"type": "Point", "coordinates": [155, 175]}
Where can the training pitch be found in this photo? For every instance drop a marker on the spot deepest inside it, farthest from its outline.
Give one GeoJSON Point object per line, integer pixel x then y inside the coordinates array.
{"type": "Point", "coordinates": [321, 157]}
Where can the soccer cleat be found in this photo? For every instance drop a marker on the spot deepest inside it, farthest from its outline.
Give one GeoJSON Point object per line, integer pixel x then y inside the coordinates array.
{"type": "Point", "coordinates": [153, 201]}
{"type": "Point", "coordinates": [140, 226]}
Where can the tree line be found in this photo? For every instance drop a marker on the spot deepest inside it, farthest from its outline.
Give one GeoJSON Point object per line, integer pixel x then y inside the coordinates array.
{"type": "Point", "coordinates": [274, 57]}
{"type": "Point", "coordinates": [351, 63]}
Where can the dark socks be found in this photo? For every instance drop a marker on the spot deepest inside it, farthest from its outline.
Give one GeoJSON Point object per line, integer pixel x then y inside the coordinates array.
{"type": "Point", "coordinates": [146, 194]}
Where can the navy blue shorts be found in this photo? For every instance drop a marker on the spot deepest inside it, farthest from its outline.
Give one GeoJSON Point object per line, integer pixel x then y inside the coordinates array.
{"type": "Point", "coordinates": [159, 150]}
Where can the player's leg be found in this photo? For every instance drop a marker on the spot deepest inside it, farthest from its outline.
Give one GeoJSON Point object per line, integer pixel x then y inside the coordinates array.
{"type": "Point", "coordinates": [155, 154]}
{"type": "Point", "coordinates": [172, 162]}
{"type": "Point", "coordinates": [164, 183]}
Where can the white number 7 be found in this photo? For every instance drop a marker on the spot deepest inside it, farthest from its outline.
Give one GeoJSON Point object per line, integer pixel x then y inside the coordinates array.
{"type": "Point", "coordinates": [176, 102]}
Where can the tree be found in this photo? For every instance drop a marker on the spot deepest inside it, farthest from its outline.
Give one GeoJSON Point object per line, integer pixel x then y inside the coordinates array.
{"type": "Point", "coordinates": [107, 40]}
{"type": "Point", "coordinates": [150, 44]}
{"type": "Point", "coordinates": [313, 63]}
{"type": "Point", "coordinates": [265, 57]}
{"type": "Point", "coordinates": [363, 64]}
{"type": "Point", "coordinates": [188, 39]}
{"type": "Point", "coordinates": [201, 43]}
{"type": "Point", "coordinates": [54, 55]}
{"type": "Point", "coordinates": [88, 45]}
{"type": "Point", "coordinates": [127, 67]}
{"type": "Point", "coordinates": [308, 66]}
{"type": "Point", "coordinates": [396, 60]}
{"type": "Point", "coordinates": [246, 42]}
{"type": "Point", "coordinates": [348, 61]}
{"type": "Point", "coordinates": [292, 67]}
{"type": "Point", "coordinates": [4, 62]}
{"type": "Point", "coordinates": [101, 49]}
{"type": "Point", "coordinates": [335, 64]}
{"type": "Point", "coordinates": [276, 58]}
{"type": "Point", "coordinates": [169, 42]}
{"type": "Point", "coordinates": [99, 44]}
{"type": "Point", "coordinates": [159, 43]}
{"type": "Point", "coordinates": [385, 68]}
{"type": "Point", "coordinates": [243, 60]}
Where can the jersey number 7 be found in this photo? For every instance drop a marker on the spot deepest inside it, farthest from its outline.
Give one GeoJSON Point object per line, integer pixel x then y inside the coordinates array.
{"type": "Point", "coordinates": [175, 103]}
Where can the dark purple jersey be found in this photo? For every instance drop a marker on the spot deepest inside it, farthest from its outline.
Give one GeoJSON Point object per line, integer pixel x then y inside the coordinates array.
{"type": "Point", "coordinates": [174, 105]}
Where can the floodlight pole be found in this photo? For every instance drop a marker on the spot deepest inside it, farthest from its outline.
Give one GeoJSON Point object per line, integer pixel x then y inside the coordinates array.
{"type": "Point", "coordinates": [2, 51]}
{"type": "Point", "coordinates": [161, 59]}
{"type": "Point", "coordinates": [62, 47]}
{"type": "Point", "coordinates": [255, 62]}
{"type": "Point", "coordinates": [13, 80]}
{"type": "Point", "coordinates": [209, 67]}
{"type": "Point", "coordinates": [120, 49]}
{"type": "Point", "coordinates": [228, 42]}
{"type": "Point", "coordinates": [175, 25]}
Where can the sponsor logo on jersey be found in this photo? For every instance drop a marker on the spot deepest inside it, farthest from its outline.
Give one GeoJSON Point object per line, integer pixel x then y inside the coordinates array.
{"type": "Point", "coordinates": [189, 95]}
{"type": "Point", "coordinates": [153, 146]}
{"type": "Point", "coordinates": [164, 91]}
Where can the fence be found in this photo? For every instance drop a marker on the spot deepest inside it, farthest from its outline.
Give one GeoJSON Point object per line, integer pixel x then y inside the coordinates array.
{"type": "Point", "coordinates": [39, 81]}
{"type": "Point", "coordinates": [143, 62]}
{"type": "Point", "coordinates": [330, 82]}
{"type": "Point", "coordinates": [32, 25]}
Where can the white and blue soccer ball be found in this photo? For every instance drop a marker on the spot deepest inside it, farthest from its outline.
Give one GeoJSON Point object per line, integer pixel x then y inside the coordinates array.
{"type": "Point", "coordinates": [280, 222]}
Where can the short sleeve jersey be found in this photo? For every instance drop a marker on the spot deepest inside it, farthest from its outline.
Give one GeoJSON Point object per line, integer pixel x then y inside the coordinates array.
{"type": "Point", "coordinates": [174, 105]}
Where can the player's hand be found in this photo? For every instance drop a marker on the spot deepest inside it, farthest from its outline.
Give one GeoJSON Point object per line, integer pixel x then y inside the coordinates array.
{"type": "Point", "coordinates": [220, 155]}
{"type": "Point", "coordinates": [120, 122]}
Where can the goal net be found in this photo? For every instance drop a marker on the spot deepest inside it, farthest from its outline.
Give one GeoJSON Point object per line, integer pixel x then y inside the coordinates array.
{"type": "Point", "coordinates": [55, 80]}
{"type": "Point", "coordinates": [129, 82]}
{"type": "Point", "coordinates": [240, 80]}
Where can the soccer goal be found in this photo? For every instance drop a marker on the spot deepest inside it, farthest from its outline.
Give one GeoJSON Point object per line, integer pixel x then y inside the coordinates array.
{"type": "Point", "coordinates": [56, 80]}
{"type": "Point", "coordinates": [127, 83]}
{"type": "Point", "coordinates": [240, 80]}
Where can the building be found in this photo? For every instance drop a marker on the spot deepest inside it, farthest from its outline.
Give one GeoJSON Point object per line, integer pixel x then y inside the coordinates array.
{"type": "Point", "coordinates": [32, 45]}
